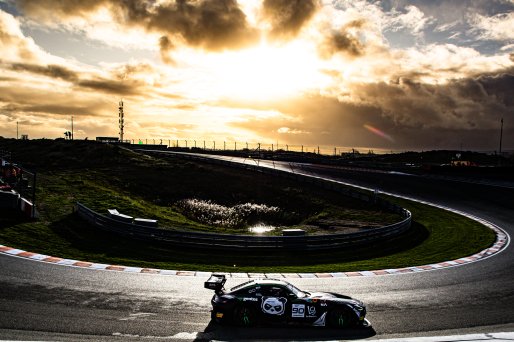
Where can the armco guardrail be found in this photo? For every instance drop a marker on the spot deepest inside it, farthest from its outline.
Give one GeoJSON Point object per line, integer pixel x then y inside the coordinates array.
{"type": "Point", "coordinates": [224, 241]}
{"type": "Point", "coordinates": [175, 236]}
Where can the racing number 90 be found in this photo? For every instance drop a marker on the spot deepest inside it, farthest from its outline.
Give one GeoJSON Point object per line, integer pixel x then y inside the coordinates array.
{"type": "Point", "coordinates": [298, 310]}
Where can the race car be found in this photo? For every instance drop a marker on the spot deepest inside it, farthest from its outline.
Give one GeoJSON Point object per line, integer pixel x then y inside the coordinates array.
{"type": "Point", "coordinates": [277, 301]}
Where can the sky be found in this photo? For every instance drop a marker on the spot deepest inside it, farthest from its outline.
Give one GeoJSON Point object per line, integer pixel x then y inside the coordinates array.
{"type": "Point", "coordinates": [381, 75]}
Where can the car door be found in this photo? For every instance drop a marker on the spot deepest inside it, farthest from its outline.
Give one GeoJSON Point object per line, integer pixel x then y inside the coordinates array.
{"type": "Point", "coordinates": [275, 304]}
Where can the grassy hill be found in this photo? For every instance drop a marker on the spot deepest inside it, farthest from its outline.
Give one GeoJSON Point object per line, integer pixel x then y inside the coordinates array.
{"type": "Point", "coordinates": [105, 176]}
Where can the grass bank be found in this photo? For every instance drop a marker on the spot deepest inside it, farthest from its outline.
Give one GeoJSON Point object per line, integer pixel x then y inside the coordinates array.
{"type": "Point", "coordinates": [105, 176]}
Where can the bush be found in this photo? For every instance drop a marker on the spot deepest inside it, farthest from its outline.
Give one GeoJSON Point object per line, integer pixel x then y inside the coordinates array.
{"type": "Point", "coordinates": [238, 216]}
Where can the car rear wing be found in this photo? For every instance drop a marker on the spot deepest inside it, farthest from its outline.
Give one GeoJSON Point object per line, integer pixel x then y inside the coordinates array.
{"type": "Point", "coordinates": [215, 282]}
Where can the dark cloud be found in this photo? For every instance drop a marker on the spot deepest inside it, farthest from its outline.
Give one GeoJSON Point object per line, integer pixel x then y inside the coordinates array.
{"type": "Point", "coordinates": [110, 86]}
{"type": "Point", "coordinates": [208, 24]}
{"type": "Point", "coordinates": [287, 17]}
{"type": "Point", "coordinates": [59, 7]}
{"type": "Point", "coordinates": [211, 24]}
{"type": "Point", "coordinates": [48, 109]}
{"type": "Point", "coordinates": [18, 100]}
{"type": "Point", "coordinates": [465, 103]}
{"type": "Point", "coordinates": [132, 70]}
{"type": "Point", "coordinates": [345, 41]}
{"type": "Point", "coordinates": [121, 84]}
{"type": "Point", "coordinates": [166, 46]}
{"type": "Point", "coordinates": [416, 115]}
{"type": "Point", "coordinates": [54, 71]}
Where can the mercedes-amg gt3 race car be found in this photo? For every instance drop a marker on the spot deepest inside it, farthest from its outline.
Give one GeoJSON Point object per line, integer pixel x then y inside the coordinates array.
{"type": "Point", "coordinates": [274, 300]}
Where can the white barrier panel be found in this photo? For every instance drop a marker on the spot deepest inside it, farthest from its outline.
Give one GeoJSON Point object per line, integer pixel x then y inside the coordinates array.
{"type": "Point", "coordinates": [26, 207]}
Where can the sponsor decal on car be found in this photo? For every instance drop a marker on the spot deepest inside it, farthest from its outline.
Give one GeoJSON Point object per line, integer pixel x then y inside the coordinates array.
{"type": "Point", "coordinates": [298, 310]}
{"type": "Point", "coordinates": [273, 305]}
{"type": "Point", "coordinates": [250, 299]}
{"type": "Point", "coordinates": [321, 321]}
{"type": "Point", "coordinates": [311, 310]}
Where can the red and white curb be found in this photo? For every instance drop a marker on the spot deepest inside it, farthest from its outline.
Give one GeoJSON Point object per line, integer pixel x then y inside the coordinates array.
{"type": "Point", "coordinates": [501, 243]}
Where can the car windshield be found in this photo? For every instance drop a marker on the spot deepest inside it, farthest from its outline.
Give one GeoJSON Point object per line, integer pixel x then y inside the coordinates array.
{"type": "Point", "coordinates": [297, 292]}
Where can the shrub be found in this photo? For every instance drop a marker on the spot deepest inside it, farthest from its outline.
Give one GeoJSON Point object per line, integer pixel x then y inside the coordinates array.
{"type": "Point", "coordinates": [240, 215]}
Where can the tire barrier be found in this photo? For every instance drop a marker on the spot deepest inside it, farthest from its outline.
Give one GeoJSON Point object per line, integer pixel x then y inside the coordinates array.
{"type": "Point", "coordinates": [181, 238]}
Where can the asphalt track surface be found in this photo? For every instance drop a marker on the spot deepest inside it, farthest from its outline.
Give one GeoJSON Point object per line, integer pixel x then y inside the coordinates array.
{"type": "Point", "coordinates": [50, 302]}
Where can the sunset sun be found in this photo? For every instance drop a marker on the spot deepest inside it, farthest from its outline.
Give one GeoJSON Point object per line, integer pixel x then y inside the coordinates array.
{"type": "Point", "coordinates": [265, 72]}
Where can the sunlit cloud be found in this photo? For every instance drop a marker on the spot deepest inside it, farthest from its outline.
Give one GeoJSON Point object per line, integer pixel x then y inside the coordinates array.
{"type": "Point", "coordinates": [498, 27]}
{"type": "Point", "coordinates": [309, 72]}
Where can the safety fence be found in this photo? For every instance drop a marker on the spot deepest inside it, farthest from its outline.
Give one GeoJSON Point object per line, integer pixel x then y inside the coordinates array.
{"type": "Point", "coordinates": [181, 238]}
{"type": "Point", "coordinates": [240, 146]}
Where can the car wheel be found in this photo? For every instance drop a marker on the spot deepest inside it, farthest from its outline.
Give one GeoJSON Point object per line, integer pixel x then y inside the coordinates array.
{"type": "Point", "coordinates": [244, 316]}
{"type": "Point", "coordinates": [339, 318]}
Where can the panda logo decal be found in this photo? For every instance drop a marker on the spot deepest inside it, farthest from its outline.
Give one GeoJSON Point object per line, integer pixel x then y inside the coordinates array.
{"type": "Point", "coordinates": [274, 305]}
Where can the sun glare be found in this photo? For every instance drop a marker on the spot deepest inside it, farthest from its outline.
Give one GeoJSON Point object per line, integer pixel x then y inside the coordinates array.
{"type": "Point", "coordinates": [266, 72]}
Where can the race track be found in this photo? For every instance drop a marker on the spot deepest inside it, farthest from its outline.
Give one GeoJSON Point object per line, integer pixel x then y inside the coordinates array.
{"type": "Point", "coordinates": [45, 301]}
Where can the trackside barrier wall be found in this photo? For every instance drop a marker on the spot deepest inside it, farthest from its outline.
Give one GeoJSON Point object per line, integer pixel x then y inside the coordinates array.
{"type": "Point", "coordinates": [223, 241]}
{"type": "Point", "coordinates": [181, 238]}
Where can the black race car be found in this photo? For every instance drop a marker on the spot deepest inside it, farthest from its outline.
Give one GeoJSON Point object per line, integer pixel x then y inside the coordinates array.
{"type": "Point", "coordinates": [274, 300]}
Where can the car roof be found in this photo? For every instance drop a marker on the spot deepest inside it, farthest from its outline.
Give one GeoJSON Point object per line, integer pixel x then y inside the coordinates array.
{"type": "Point", "coordinates": [267, 281]}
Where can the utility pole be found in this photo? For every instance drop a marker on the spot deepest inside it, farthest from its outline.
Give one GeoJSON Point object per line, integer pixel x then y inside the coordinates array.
{"type": "Point", "coordinates": [121, 120]}
{"type": "Point", "coordinates": [501, 136]}
{"type": "Point", "coordinates": [72, 127]}
{"type": "Point", "coordinates": [17, 127]}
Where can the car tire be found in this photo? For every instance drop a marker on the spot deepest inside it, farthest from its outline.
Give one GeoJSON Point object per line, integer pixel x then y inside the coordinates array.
{"type": "Point", "coordinates": [244, 316]}
{"type": "Point", "coordinates": [340, 318]}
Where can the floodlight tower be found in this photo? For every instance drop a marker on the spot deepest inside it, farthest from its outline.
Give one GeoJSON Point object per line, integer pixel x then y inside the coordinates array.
{"type": "Point", "coordinates": [121, 120]}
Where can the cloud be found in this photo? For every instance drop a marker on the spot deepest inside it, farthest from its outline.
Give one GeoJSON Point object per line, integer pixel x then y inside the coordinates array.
{"type": "Point", "coordinates": [413, 19]}
{"type": "Point", "coordinates": [287, 130]}
{"type": "Point", "coordinates": [287, 17]}
{"type": "Point", "coordinates": [13, 44]}
{"type": "Point", "coordinates": [59, 8]}
{"type": "Point", "coordinates": [120, 82]}
{"type": "Point", "coordinates": [210, 24]}
{"type": "Point", "coordinates": [411, 113]}
{"type": "Point", "coordinates": [345, 41]}
{"type": "Point", "coordinates": [54, 71]}
{"type": "Point", "coordinates": [109, 86]}
{"type": "Point", "coordinates": [166, 46]}
{"type": "Point", "coordinates": [497, 27]}
{"type": "Point", "coordinates": [466, 103]}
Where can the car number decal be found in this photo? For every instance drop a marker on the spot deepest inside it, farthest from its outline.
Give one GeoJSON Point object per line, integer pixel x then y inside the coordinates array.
{"type": "Point", "coordinates": [298, 310]}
